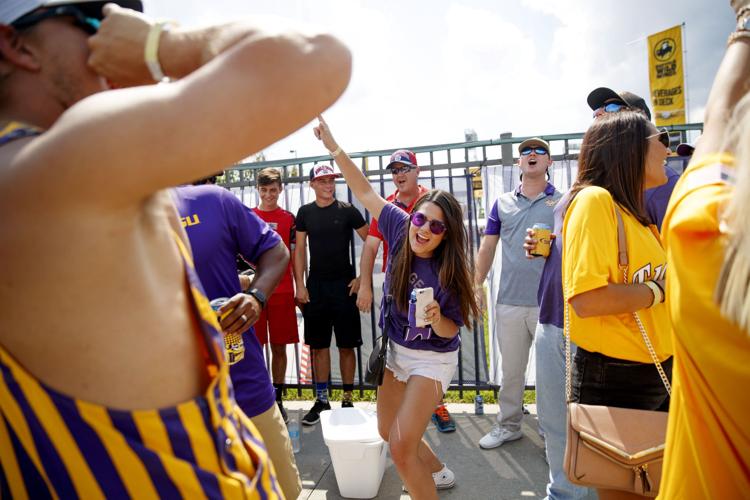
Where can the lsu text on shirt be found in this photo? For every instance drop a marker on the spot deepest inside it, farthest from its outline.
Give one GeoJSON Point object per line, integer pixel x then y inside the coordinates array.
{"type": "Point", "coordinates": [708, 437]}
{"type": "Point", "coordinates": [590, 261]}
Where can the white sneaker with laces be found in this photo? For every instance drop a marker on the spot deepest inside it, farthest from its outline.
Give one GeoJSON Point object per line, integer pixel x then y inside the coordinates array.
{"type": "Point", "coordinates": [497, 436]}
{"type": "Point", "coordinates": [444, 479]}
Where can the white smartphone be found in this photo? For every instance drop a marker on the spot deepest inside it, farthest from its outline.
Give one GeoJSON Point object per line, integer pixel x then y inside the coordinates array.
{"type": "Point", "coordinates": [424, 297]}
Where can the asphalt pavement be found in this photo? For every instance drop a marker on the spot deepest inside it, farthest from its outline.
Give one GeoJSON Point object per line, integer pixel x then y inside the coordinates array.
{"type": "Point", "coordinates": [515, 470]}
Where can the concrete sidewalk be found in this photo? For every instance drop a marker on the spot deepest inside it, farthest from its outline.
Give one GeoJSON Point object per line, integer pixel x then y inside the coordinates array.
{"type": "Point", "coordinates": [514, 470]}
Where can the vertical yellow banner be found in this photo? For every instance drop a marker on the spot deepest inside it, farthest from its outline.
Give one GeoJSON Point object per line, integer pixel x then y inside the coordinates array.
{"type": "Point", "coordinates": [666, 76]}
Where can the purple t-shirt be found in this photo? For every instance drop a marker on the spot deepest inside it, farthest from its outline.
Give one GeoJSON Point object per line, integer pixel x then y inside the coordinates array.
{"type": "Point", "coordinates": [424, 273]}
{"type": "Point", "coordinates": [550, 294]}
{"type": "Point", "coordinates": [219, 227]}
{"type": "Point", "coordinates": [657, 199]}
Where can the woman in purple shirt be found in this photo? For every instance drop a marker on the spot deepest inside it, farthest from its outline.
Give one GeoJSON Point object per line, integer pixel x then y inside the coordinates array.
{"type": "Point", "coordinates": [429, 251]}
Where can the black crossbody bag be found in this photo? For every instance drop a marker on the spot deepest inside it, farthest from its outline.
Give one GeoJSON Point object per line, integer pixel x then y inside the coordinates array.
{"type": "Point", "coordinates": [376, 363]}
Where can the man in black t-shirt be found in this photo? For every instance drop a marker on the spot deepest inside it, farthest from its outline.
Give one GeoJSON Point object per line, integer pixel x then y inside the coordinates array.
{"type": "Point", "coordinates": [328, 299]}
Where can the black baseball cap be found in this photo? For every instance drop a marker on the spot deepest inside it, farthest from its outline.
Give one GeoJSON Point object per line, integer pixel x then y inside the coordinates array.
{"type": "Point", "coordinates": [599, 97]}
{"type": "Point", "coordinates": [13, 11]}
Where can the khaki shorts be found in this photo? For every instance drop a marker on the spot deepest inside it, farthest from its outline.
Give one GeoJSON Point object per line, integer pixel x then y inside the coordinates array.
{"type": "Point", "coordinates": [271, 427]}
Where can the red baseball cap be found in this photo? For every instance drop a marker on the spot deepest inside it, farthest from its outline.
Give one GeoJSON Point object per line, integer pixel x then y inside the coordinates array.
{"type": "Point", "coordinates": [403, 156]}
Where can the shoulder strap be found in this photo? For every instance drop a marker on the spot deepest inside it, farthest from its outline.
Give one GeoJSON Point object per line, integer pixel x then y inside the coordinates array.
{"type": "Point", "coordinates": [386, 316]}
{"type": "Point", "coordinates": [622, 241]}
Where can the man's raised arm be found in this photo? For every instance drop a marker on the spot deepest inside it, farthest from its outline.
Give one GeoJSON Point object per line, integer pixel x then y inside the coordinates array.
{"type": "Point", "coordinates": [238, 89]}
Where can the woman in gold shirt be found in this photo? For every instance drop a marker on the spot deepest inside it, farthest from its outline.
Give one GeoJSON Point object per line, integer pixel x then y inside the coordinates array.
{"type": "Point", "coordinates": [622, 155]}
{"type": "Point", "coordinates": [706, 233]}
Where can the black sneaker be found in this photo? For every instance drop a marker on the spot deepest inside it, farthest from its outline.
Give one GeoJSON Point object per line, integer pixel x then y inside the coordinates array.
{"type": "Point", "coordinates": [347, 403]}
{"type": "Point", "coordinates": [313, 416]}
{"type": "Point", "coordinates": [282, 410]}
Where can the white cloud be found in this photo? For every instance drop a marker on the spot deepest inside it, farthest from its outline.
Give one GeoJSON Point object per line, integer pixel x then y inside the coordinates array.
{"type": "Point", "coordinates": [426, 70]}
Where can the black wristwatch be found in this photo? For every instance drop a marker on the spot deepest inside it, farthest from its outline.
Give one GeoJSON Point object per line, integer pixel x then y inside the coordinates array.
{"type": "Point", "coordinates": [259, 296]}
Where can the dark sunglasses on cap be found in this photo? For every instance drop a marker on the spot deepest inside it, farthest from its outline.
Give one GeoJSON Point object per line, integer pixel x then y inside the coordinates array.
{"type": "Point", "coordinates": [419, 219]}
{"type": "Point", "coordinates": [612, 107]}
{"type": "Point", "coordinates": [663, 136]}
{"type": "Point", "coordinates": [538, 150]}
{"type": "Point", "coordinates": [87, 23]}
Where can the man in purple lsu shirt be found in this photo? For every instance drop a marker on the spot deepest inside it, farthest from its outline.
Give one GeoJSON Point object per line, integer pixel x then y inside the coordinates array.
{"type": "Point", "coordinates": [220, 227]}
{"type": "Point", "coordinates": [548, 340]}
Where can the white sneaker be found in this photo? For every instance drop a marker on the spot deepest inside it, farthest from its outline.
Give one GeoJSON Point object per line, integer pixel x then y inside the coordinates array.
{"type": "Point", "coordinates": [444, 479]}
{"type": "Point", "coordinates": [497, 436]}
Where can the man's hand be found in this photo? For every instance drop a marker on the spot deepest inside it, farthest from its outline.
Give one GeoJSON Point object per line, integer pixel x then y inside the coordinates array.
{"type": "Point", "coordinates": [302, 297]}
{"type": "Point", "coordinates": [353, 286]}
{"type": "Point", "coordinates": [323, 133]}
{"type": "Point", "coordinates": [364, 299]}
{"type": "Point", "coordinates": [244, 312]}
{"type": "Point", "coordinates": [529, 242]}
{"type": "Point", "coordinates": [117, 47]}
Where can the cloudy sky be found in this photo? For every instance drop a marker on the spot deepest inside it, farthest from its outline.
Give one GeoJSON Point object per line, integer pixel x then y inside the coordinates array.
{"type": "Point", "coordinates": [425, 70]}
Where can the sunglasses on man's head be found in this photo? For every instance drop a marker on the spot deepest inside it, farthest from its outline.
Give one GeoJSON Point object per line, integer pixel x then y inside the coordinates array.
{"type": "Point", "coordinates": [612, 107]}
{"type": "Point", "coordinates": [403, 169]}
{"type": "Point", "coordinates": [88, 24]}
{"type": "Point", "coordinates": [539, 151]}
{"type": "Point", "coordinates": [663, 136]}
{"type": "Point", "coordinates": [419, 219]}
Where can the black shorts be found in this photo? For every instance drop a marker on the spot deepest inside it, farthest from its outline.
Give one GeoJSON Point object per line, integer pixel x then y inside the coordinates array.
{"type": "Point", "coordinates": [331, 308]}
{"type": "Point", "coordinates": [602, 380]}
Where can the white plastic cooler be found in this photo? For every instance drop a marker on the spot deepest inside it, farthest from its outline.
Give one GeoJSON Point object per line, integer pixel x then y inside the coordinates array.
{"type": "Point", "coordinates": [357, 450]}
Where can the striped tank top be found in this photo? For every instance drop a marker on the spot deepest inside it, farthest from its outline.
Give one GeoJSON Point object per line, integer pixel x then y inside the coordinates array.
{"type": "Point", "coordinates": [55, 446]}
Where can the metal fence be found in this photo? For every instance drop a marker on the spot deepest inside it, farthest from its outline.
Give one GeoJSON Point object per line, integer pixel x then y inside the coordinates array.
{"type": "Point", "coordinates": [474, 172]}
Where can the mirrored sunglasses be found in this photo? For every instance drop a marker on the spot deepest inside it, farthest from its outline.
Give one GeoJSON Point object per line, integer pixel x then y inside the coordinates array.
{"type": "Point", "coordinates": [403, 169]}
{"type": "Point", "coordinates": [612, 107]}
{"type": "Point", "coordinates": [539, 151]}
{"type": "Point", "coordinates": [436, 227]}
{"type": "Point", "coordinates": [88, 24]}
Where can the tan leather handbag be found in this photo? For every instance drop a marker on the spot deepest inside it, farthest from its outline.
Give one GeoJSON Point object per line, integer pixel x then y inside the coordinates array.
{"type": "Point", "coordinates": [615, 448]}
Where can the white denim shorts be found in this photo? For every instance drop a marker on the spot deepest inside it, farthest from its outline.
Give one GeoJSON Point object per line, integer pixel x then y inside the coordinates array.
{"type": "Point", "coordinates": [405, 362]}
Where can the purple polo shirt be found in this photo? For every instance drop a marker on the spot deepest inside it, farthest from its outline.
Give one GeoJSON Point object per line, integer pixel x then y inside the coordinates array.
{"type": "Point", "coordinates": [393, 224]}
{"type": "Point", "coordinates": [219, 227]}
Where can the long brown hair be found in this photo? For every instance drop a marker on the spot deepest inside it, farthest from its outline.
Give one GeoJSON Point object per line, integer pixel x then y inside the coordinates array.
{"type": "Point", "coordinates": [451, 257]}
{"type": "Point", "coordinates": [613, 156]}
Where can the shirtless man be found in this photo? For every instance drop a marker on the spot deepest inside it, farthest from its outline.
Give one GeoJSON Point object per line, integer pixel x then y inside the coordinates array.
{"type": "Point", "coordinates": [107, 318]}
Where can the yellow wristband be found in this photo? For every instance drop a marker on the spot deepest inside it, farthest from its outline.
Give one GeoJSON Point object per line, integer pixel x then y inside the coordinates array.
{"type": "Point", "coordinates": [658, 296]}
{"type": "Point", "coordinates": [151, 50]}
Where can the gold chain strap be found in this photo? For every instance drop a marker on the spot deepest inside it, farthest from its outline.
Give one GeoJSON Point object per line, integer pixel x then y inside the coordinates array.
{"type": "Point", "coordinates": [647, 341]}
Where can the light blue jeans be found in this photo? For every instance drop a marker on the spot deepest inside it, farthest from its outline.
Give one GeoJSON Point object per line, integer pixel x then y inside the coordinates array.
{"type": "Point", "coordinates": [550, 406]}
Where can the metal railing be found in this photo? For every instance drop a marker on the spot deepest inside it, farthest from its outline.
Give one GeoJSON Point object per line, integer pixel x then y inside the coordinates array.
{"type": "Point", "coordinates": [460, 168]}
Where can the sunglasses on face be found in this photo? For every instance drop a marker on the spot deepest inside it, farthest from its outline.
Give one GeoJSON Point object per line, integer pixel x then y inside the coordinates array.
{"type": "Point", "coordinates": [88, 24]}
{"type": "Point", "coordinates": [612, 107]}
{"type": "Point", "coordinates": [404, 169]}
{"type": "Point", "coordinates": [663, 136]}
{"type": "Point", "coordinates": [537, 150]}
{"type": "Point", "coordinates": [419, 219]}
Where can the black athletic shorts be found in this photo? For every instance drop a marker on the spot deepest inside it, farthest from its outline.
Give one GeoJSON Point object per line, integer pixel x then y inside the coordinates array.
{"type": "Point", "coordinates": [331, 308]}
